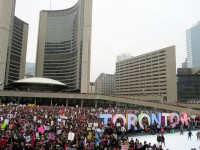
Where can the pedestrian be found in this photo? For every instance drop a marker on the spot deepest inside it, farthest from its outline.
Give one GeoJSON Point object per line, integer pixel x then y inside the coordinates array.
{"type": "Point", "coordinates": [158, 139]}
{"type": "Point", "coordinates": [198, 135]}
{"type": "Point", "coordinates": [189, 135]}
{"type": "Point", "coordinates": [181, 130]}
{"type": "Point", "coordinates": [162, 139]}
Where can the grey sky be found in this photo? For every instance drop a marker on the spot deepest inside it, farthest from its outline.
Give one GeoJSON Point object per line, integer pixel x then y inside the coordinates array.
{"type": "Point", "coordinates": [122, 26]}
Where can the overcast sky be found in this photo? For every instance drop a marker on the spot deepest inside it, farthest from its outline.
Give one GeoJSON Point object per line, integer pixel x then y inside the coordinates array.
{"type": "Point", "coordinates": [122, 26]}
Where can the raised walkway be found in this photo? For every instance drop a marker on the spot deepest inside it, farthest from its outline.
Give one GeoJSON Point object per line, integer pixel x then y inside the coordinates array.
{"type": "Point", "coordinates": [189, 109]}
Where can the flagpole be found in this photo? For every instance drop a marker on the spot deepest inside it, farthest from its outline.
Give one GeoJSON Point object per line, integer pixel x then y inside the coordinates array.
{"type": "Point", "coordinates": [50, 4]}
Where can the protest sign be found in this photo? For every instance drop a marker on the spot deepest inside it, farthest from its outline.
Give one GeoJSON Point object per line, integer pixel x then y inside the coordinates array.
{"type": "Point", "coordinates": [46, 128]}
{"type": "Point", "coordinates": [41, 129]}
{"type": "Point", "coordinates": [37, 135]}
{"type": "Point", "coordinates": [51, 122]}
{"type": "Point", "coordinates": [10, 116]}
{"type": "Point", "coordinates": [34, 118]}
{"type": "Point", "coordinates": [6, 121]}
{"type": "Point", "coordinates": [95, 125]}
{"type": "Point", "coordinates": [59, 132]}
{"type": "Point", "coordinates": [28, 138]}
{"type": "Point", "coordinates": [71, 136]}
{"type": "Point", "coordinates": [3, 125]}
{"type": "Point", "coordinates": [63, 121]}
{"type": "Point", "coordinates": [89, 125]}
{"type": "Point", "coordinates": [88, 129]}
{"type": "Point", "coordinates": [51, 136]}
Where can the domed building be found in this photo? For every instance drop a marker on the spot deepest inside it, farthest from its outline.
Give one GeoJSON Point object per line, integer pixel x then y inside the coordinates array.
{"type": "Point", "coordinates": [37, 84]}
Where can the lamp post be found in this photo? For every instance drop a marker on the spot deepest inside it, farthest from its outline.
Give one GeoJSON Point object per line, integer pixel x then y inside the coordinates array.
{"type": "Point", "coordinates": [190, 112]}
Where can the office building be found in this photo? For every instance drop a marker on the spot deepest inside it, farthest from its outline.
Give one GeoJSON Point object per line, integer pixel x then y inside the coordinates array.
{"type": "Point", "coordinates": [105, 84]}
{"type": "Point", "coordinates": [188, 85]}
{"type": "Point", "coordinates": [16, 55]}
{"type": "Point", "coordinates": [193, 46]}
{"type": "Point", "coordinates": [184, 64]}
{"type": "Point", "coordinates": [123, 56]}
{"type": "Point", "coordinates": [150, 74]}
{"type": "Point", "coordinates": [64, 43]}
{"type": "Point", "coordinates": [92, 88]}
{"type": "Point", "coordinates": [7, 9]}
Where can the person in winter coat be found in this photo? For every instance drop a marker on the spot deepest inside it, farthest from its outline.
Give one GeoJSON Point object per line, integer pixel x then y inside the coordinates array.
{"type": "Point", "coordinates": [198, 135]}
{"type": "Point", "coordinates": [181, 130]}
{"type": "Point", "coordinates": [189, 135]}
{"type": "Point", "coordinates": [158, 139]}
{"type": "Point", "coordinates": [162, 139]}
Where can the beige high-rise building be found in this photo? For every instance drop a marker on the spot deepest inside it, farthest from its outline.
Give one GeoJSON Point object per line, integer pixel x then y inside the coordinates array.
{"type": "Point", "coordinates": [64, 43]}
{"type": "Point", "coordinates": [105, 84]}
{"type": "Point", "coordinates": [13, 44]}
{"type": "Point", "coordinates": [92, 88]}
{"type": "Point", "coordinates": [7, 9]}
{"type": "Point", "coordinates": [152, 73]}
{"type": "Point", "coordinates": [16, 55]}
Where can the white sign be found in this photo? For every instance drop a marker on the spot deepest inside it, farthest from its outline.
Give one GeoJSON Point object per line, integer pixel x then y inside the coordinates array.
{"type": "Point", "coordinates": [51, 122]}
{"type": "Point", "coordinates": [71, 136]}
{"type": "Point", "coordinates": [34, 118]}
{"type": "Point", "coordinates": [37, 134]}
{"type": "Point", "coordinates": [63, 121]}
{"type": "Point", "coordinates": [89, 125]}
{"type": "Point", "coordinates": [59, 132]}
{"type": "Point", "coordinates": [6, 121]}
{"type": "Point", "coordinates": [95, 125]}
{"type": "Point", "coordinates": [28, 138]}
{"type": "Point", "coordinates": [46, 127]}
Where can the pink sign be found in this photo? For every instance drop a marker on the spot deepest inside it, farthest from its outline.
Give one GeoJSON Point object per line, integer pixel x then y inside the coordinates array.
{"type": "Point", "coordinates": [41, 129]}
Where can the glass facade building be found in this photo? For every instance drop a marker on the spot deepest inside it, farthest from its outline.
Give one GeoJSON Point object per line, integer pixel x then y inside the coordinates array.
{"type": "Point", "coordinates": [188, 85]}
{"type": "Point", "coordinates": [16, 56]}
{"type": "Point", "coordinates": [63, 51]}
{"type": "Point", "coordinates": [193, 46]}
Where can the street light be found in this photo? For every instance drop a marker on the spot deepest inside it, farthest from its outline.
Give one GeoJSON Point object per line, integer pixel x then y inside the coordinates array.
{"type": "Point", "coordinates": [190, 111]}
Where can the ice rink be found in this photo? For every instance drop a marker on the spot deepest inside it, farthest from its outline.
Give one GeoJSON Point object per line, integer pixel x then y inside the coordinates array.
{"type": "Point", "coordinates": [173, 141]}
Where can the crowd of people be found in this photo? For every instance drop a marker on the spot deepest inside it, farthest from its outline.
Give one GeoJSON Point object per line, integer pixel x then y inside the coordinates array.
{"type": "Point", "coordinates": [69, 128]}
